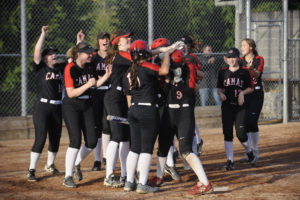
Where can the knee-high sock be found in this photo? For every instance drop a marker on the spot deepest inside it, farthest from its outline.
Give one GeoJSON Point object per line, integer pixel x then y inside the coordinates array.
{"type": "Point", "coordinates": [144, 163]}
{"type": "Point", "coordinates": [160, 165]}
{"type": "Point", "coordinates": [196, 165]}
{"type": "Point", "coordinates": [194, 147]}
{"type": "Point", "coordinates": [123, 153]}
{"type": "Point", "coordinates": [111, 154]}
{"type": "Point", "coordinates": [197, 133]}
{"type": "Point", "coordinates": [170, 161]}
{"type": "Point", "coordinates": [246, 146]}
{"type": "Point", "coordinates": [34, 158]}
{"type": "Point", "coordinates": [105, 142]}
{"type": "Point", "coordinates": [255, 138]}
{"type": "Point", "coordinates": [249, 134]}
{"type": "Point", "coordinates": [82, 154]}
{"type": "Point", "coordinates": [132, 160]}
{"type": "Point", "coordinates": [97, 150]}
{"type": "Point", "coordinates": [71, 155]}
{"type": "Point", "coordinates": [51, 158]}
{"type": "Point", "coordinates": [229, 150]}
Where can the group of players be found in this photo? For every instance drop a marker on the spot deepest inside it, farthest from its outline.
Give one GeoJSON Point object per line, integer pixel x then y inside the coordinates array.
{"type": "Point", "coordinates": [155, 90]}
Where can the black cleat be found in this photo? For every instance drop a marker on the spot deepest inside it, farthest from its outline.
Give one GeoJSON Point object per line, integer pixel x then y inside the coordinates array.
{"type": "Point", "coordinates": [104, 163]}
{"type": "Point", "coordinates": [172, 172]}
{"type": "Point", "coordinates": [68, 181]}
{"type": "Point", "coordinates": [51, 169]}
{"type": "Point", "coordinates": [97, 166]}
{"type": "Point", "coordinates": [31, 175]}
{"type": "Point", "coordinates": [252, 158]}
{"type": "Point", "coordinates": [78, 173]}
{"type": "Point", "coordinates": [228, 166]}
{"type": "Point", "coordinates": [199, 147]}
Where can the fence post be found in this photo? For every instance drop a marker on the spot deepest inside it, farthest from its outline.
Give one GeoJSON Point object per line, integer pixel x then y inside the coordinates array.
{"type": "Point", "coordinates": [248, 18]}
{"type": "Point", "coordinates": [23, 59]}
{"type": "Point", "coordinates": [285, 61]}
{"type": "Point", "coordinates": [150, 21]}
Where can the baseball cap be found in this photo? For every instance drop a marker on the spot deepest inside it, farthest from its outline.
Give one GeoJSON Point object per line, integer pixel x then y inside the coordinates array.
{"type": "Point", "coordinates": [121, 35]}
{"type": "Point", "coordinates": [103, 35]}
{"type": "Point", "coordinates": [49, 50]}
{"type": "Point", "coordinates": [233, 53]}
{"type": "Point", "coordinates": [187, 40]}
{"type": "Point", "coordinates": [85, 47]}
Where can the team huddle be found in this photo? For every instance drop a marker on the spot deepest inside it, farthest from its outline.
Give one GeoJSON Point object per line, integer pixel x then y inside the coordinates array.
{"type": "Point", "coordinates": [155, 90]}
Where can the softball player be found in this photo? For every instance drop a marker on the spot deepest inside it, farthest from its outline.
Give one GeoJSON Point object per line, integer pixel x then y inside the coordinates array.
{"type": "Point", "coordinates": [77, 106]}
{"type": "Point", "coordinates": [169, 167]}
{"type": "Point", "coordinates": [102, 125]}
{"type": "Point", "coordinates": [192, 46]}
{"type": "Point", "coordinates": [180, 113]}
{"type": "Point", "coordinates": [234, 82]}
{"type": "Point", "coordinates": [116, 104]}
{"type": "Point", "coordinates": [47, 115]}
{"type": "Point", "coordinates": [255, 100]}
{"type": "Point", "coordinates": [141, 89]}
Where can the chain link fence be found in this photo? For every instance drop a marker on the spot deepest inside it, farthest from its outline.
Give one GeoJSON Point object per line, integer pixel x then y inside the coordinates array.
{"type": "Point", "coordinates": [294, 79]}
{"type": "Point", "coordinates": [212, 25]}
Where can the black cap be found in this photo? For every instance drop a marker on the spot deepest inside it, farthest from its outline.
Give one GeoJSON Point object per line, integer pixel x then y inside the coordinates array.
{"type": "Point", "coordinates": [85, 47]}
{"type": "Point", "coordinates": [187, 40]}
{"type": "Point", "coordinates": [49, 50]}
{"type": "Point", "coordinates": [233, 53]}
{"type": "Point", "coordinates": [103, 35]}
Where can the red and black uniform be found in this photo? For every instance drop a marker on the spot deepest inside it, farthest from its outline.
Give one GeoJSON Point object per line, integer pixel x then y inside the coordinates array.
{"type": "Point", "coordinates": [179, 118]}
{"type": "Point", "coordinates": [100, 114]}
{"type": "Point", "coordinates": [255, 100]}
{"type": "Point", "coordinates": [143, 114]}
{"type": "Point", "coordinates": [233, 83]}
{"type": "Point", "coordinates": [47, 115]}
{"type": "Point", "coordinates": [115, 100]}
{"type": "Point", "coordinates": [192, 58]}
{"type": "Point", "coordinates": [78, 112]}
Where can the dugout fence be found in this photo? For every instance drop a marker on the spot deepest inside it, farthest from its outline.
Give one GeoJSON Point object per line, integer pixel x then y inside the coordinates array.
{"type": "Point", "coordinates": [212, 25]}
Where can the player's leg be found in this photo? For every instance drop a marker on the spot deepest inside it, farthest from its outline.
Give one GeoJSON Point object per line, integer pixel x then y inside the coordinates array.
{"type": "Point", "coordinates": [135, 149]}
{"type": "Point", "coordinates": [149, 121]}
{"type": "Point", "coordinates": [227, 124]}
{"type": "Point", "coordinates": [186, 129]}
{"type": "Point", "coordinates": [40, 120]}
{"type": "Point", "coordinates": [240, 126]}
{"type": "Point", "coordinates": [97, 99]}
{"type": "Point", "coordinates": [90, 138]}
{"type": "Point", "coordinates": [55, 127]}
{"type": "Point", "coordinates": [72, 118]}
{"type": "Point", "coordinates": [106, 134]}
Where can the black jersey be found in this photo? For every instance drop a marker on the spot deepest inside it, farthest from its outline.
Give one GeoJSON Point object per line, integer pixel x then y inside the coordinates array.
{"type": "Point", "coordinates": [146, 91]}
{"type": "Point", "coordinates": [99, 65]}
{"type": "Point", "coordinates": [234, 82]}
{"type": "Point", "coordinates": [182, 93]}
{"type": "Point", "coordinates": [258, 64]}
{"type": "Point", "coordinates": [121, 64]}
{"type": "Point", "coordinates": [49, 80]}
{"type": "Point", "coordinates": [76, 76]}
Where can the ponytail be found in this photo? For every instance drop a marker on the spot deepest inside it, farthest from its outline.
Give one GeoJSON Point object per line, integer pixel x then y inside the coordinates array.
{"type": "Point", "coordinates": [134, 71]}
{"type": "Point", "coordinates": [111, 54]}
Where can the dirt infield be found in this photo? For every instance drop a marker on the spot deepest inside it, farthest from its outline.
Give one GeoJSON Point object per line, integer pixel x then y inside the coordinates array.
{"type": "Point", "coordinates": [276, 175]}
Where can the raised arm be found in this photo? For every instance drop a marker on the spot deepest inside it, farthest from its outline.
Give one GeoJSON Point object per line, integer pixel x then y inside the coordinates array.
{"type": "Point", "coordinates": [37, 57]}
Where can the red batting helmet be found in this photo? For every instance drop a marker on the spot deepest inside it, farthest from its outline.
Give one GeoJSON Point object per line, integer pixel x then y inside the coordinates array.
{"type": "Point", "coordinates": [160, 42]}
{"type": "Point", "coordinates": [139, 47]}
{"type": "Point", "coordinates": [177, 56]}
